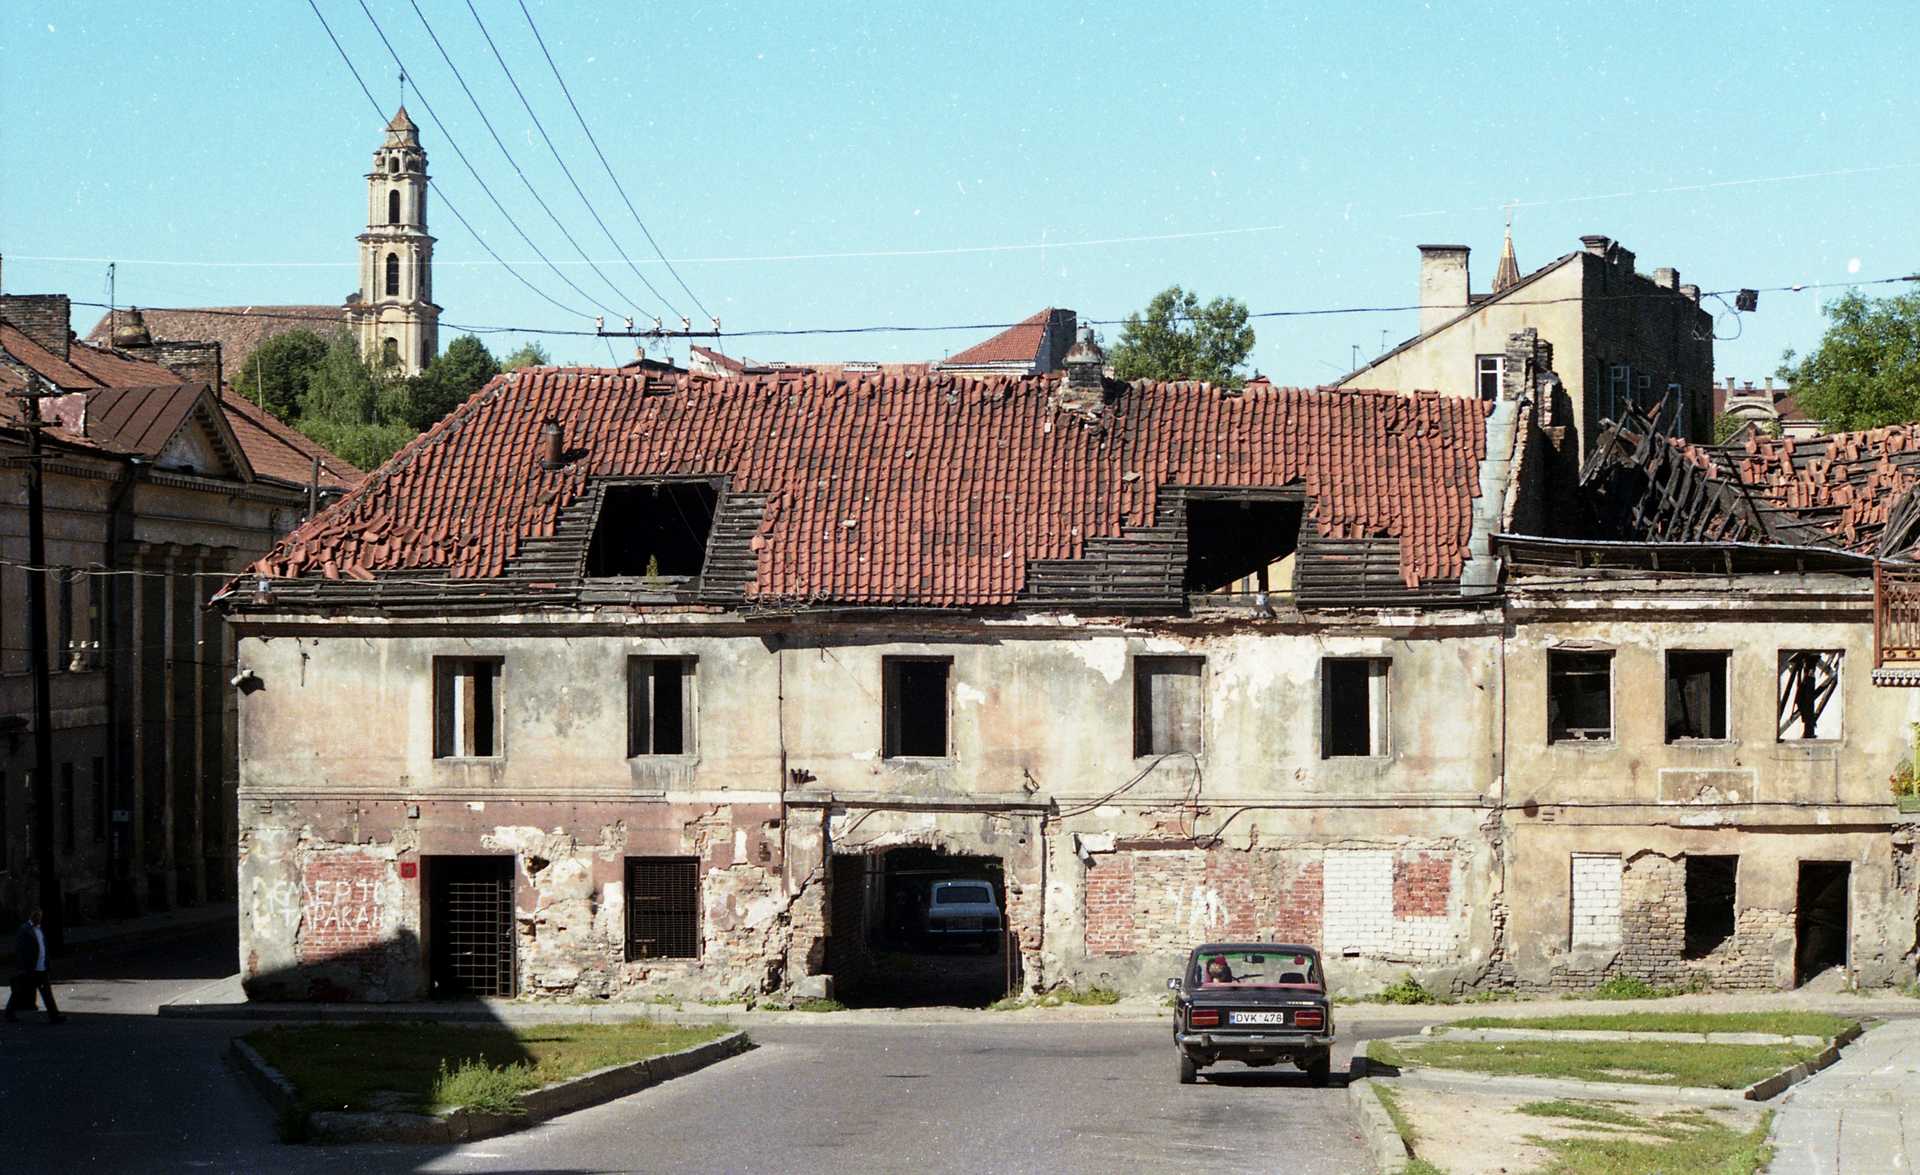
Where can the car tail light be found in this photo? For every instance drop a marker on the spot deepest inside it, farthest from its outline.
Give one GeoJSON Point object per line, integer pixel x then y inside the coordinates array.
{"type": "Point", "coordinates": [1309, 1018]}
{"type": "Point", "coordinates": [1203, 1018]}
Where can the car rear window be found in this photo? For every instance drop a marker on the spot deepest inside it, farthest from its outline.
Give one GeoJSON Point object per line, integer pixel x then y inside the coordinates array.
{"type": "Point", "coordinates": [1256, 969]}
{"type": "Point", "coordinates": [954, 895]}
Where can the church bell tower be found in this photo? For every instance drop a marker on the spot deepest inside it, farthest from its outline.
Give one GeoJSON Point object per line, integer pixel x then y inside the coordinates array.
{"type": "Point", "coordinates": [394, 318]}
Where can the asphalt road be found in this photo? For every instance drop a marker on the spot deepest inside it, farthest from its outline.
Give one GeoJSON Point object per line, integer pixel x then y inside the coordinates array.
{"type": "Point", "coordinates": [117, 1089]}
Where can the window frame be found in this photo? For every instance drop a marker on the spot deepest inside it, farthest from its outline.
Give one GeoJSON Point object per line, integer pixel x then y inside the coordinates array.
{"type": "Point", "coordinates": [1144, 667]}
{"type": "Point", "coordinates": [1836, 701]}
{"type": "Point", "coordinates": [1613, 725]}
{"type": "Point", "coordinates": [892, 717]}
{"type": "Point", "coordinates": [447, 742]}
{"type": "Point", "coordinates": [640, 667]}
{"type": "Point", "coordinates": [1726, 699]}
{"type": "Point", "coordinates": [694, 934]}
{"type": "Point", "coordinates": [1379, 709]}
{"type": "Point", "coordinates": [1481, 370]}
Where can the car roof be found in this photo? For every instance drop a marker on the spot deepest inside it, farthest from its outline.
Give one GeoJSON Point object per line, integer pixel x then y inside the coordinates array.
{"type": "Point", "coordinates": [1277, 948]}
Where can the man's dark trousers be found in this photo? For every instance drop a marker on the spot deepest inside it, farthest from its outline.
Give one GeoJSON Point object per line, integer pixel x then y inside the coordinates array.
{"type": "Point", "coordinates": [25, 985]}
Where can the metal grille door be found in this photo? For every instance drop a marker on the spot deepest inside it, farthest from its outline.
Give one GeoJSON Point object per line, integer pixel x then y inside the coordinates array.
{"type": "Point", "coordinates": [663, 908]}
{"type": "Point", "coordinates": [472, 920]}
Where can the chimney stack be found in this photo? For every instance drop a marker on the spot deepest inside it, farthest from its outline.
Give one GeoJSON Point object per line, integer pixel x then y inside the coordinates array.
{"type": "Point", "coordinates": [1666, 278]}
{"type": "Point", "coordinates": [129, 331]}
{"type": "Point", "coordinates": [1443, 284]}
{"type": "Point", "coordinates": [552, 444]}
{"type": "Point", "coordinates": [191, 360]}
{"type": "Point", "coordinates": [1596, 244]}
{"type": "Point", "coordinates": [44, 318]}
{"type": "Point", "coordinates": [1083, 389]}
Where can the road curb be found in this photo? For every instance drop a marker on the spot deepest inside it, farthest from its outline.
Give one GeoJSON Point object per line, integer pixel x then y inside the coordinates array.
{"type": "Point", "coordinates": [1389, 1150]}
{"type": "Point", "coordinates": [1772, 1087]}
{"type": "Point", "coordinates": [1447, 1032]}
{"type": "Point", "coordinates": [463, 1125]}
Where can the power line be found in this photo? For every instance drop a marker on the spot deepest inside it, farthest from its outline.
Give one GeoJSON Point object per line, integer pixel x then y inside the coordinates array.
{"type": "Point", "coordinates": [591, 211]}
{"type": "Point", "coordinates": [380, 112]}
{"type": "Point", "coordinates": [513, 163]}
{"type": "Point", "coordinates": [603, 162]}
{"type": "Point", "coordinates": [474, 171]}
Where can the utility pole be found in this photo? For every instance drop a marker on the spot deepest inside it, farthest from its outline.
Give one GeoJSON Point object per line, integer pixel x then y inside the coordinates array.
{"type": "Point", "coordinates": [47, 868]}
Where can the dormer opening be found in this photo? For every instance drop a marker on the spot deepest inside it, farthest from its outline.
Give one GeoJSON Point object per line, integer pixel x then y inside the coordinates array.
{"type": "Point", "coordinates": [656, 530]}
{"type": "Point", "coordinates": [1242, 543]}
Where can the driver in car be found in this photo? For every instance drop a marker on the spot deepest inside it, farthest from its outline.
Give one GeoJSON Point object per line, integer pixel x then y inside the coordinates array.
{"type": "Point", "coordinates": [1218, 971]}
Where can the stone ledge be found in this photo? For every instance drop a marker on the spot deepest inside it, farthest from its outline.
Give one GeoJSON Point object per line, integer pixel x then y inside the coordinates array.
{"type": "Point", "coordinates": [462, 1125]}
{"type": "Point", "coordinates": [1389, 1150]}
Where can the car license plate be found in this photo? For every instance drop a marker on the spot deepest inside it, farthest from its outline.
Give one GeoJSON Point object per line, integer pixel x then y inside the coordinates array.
{"type": "Point", "coordinates": [1256, 1018]}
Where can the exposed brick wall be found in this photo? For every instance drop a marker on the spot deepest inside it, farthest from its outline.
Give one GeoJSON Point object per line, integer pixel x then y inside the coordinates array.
{"type": "Point", "coordinates": [1422, 885]}
{"type": "Point", "coordinates": [1109, 905]}
{"type": "Point", "coordinates": [343, 906]}
{"type": "Point", "coordinates": [1385, 903]}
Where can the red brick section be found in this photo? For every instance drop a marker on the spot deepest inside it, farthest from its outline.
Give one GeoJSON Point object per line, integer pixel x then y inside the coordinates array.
{"type": "Point", "coordinates": [1109, 905]}
{"type": "Point", "coordinates": [935, 490]}
{"type": "Point", "coordinates": [1298, 905]}
{"type": "Point", "coordinates": [1846, 482]}
{"type": "Point", "coordinates": [1019, 343]}
{"type": "Point", "coordinates": [343, 906]}
{"type": "Point", "coordinates": [1422, 884]}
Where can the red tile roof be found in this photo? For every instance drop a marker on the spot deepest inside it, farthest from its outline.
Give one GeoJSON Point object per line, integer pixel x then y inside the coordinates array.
{"type": "Point", "coordinates": [1019, 343]}
{"type": "Point", "coordinates": [936, 490]}
{"type": "Point", "coordinates": [278, 450]}
{"type": "Point", "coordinates": [1843, 483]}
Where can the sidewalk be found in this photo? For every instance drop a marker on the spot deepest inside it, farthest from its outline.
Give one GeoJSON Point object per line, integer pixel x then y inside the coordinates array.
{"type": "Point", "coordinates": [1863, 1114]}
{"type": "Point", "coordinates": [99, 938]}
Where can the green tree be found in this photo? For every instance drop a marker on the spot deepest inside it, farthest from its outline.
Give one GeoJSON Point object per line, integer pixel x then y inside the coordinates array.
{"type": "Point", "coordinates": [456, 373]}
{"type": "Point", "coordinates": [529, 355]}
{"type": "Point", "coordinates": [1178, 338]}
{"type": "Point", "coordinates": [1866, 370]}
{"type": "Point", "coordinates": [277, 371]}
{"type": "Point", "coordinates": [362, 413]}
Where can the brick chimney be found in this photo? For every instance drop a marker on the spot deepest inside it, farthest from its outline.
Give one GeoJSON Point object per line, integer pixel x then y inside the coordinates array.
{"type": "Point", "coordinates": [1062, 330]}
{"type": "Point", "coordinates": [1083, 389]}
{"type": "Point", "coordinates": [1443, 284]}
{"type": "Point", "coordinates": [197, 361]}
{"type": "Point", "coordinates": [44, 318]}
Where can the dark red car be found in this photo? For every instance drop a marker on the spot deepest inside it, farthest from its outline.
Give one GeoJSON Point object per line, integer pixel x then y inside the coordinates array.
{"type": "Point", "coordinates": [1256, 1003]}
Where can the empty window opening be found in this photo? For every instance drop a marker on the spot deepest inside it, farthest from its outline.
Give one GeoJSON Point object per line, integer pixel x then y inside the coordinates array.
{"type": "Point", "coordinates": [393, 164]}
{"type": "Point", "coordinates": [1696, 695]}
{"type": "Point", "coordinates": [1579, 696]}
{"type": "Point", "coordinates": [99, 799]}
{"type": "Point", "coordinates": [1821, 919]}
{"type": "Point", "coordinates": [655, 530]}
{"type": "Point", "coordinates": [1167, 701]}
{"type": "Point", "coordinates": [1710, 891]}
{"type": "Point", "coordinates": [663, 908]}
{"type": "Point", "coordinates": [393, 206]}
{"type": "Point", "coordinates": [899, 933]}
{"type": "Point", "coordinates": [1487, 370]}
{"type": "Point", "coordinates": [390, 351]}
{"type": "Point", "coordinates": [1809, 695]}
{"type": "Point", "coordinates": [469, 921]}
{"type": "Point", "coordinates": [1240, 545]}
{"type": "Point", "coordinates": [1353, 707]}
{"type": "Point", "coordinates": [914, 693]}
{"type": "Point", "coordinates": [393, 275]}
{"type": "Point", "coordinates": [659, 706]}
{"type": "Point", "coordinates": [466, 707]}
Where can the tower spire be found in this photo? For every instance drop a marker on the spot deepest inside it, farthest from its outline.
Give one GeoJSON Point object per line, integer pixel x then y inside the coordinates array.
{"type": "Point", "coordinates": [1508, 274]}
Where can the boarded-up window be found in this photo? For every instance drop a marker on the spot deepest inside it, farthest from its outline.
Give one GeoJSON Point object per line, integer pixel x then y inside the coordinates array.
{"type": "Point", "coordinates": [1596, 900]}
{"type": "Point", "coordinates": [466, 707]}
{"type": "Point", "coordinates": [1579, 696]}
{"type": "Point", "coordinates": [660, 706]}
{"type": "Point", "coordinates": [1809, 694]}
{"type": "Point", "coordinates": [1167, 705]}
{"type": "Point", "coordinates": [1696, 695]}
{"type": "Point", "coordinates": [663, 908]}
{"type": "Point", "coordinates": [914, 698]}
{"type": "Point", "coordinates": [1353, 707]}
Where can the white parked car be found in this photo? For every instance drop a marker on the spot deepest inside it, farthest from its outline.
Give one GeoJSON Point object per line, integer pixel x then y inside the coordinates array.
{"type": "Point", "coordinates": [963, 911]}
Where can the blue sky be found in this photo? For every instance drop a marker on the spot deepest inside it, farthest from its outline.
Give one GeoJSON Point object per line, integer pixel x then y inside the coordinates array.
{"type": "Point", "coordinates": [1344, 134]}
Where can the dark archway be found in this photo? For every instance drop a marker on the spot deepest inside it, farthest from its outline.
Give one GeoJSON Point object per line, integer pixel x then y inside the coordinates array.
{"type": "Point", "coordinates": [890, 943]}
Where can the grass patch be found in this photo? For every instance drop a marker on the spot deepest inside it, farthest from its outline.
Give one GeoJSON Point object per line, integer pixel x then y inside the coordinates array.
{"type": "Point", "coordinates": [1421, 1167]}
{"type": "Point", "coordinates": [818, 1005]}
{"type": "Point", "coordinates": [1581, 1111]}
{"type": "Point", "coordinates": [1390, 1102]}
{"type": "Point", "coordinates": [1405, 990]}
{"type": "Point", "coordinates": [1628, 987]}
{"type": "Point", "coordinates": [1687, 1142]}
{"type": "Point", "coordinates": [1780, 1023]}
{"type": "Point", "coordinates": [1712, 1066]}
{"type": "Point", "coordinates": [1092, 997]}
{"type": "Point", "coordinates": [426, 1067]}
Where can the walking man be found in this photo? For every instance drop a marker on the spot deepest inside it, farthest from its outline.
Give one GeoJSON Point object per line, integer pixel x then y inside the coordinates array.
{"type": "Point", "coordinates": [30, 954]}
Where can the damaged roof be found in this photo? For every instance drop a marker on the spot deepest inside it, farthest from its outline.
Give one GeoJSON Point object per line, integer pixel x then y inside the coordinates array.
{"type": "Point", "coordinates": [934, 490]}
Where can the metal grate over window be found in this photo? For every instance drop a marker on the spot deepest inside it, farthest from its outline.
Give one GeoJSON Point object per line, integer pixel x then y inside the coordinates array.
{"type": "Point", "coordinates": [663, 908]}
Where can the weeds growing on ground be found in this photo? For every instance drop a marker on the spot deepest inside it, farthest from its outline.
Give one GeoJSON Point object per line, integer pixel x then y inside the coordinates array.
{"type": "Point", "coordinates": [1630, 987]}
{"type": "Point", "coordinates": [1686, 1142]}
{"type": "Point", "coordinates": [818, 1005]}
{"type": "Point", "coordinates": [1713, 1066]}
{"type": "Point", "coordinates": [1779, 1023]}
{"type": "Point", "coordinates": [1095, 997]}
{"type": "Point", "coordinates": [479, 1086]}
{"type": "Point", "coordinates": [1405, 990]}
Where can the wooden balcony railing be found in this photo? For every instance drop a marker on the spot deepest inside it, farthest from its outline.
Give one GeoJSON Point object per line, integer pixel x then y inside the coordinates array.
{"type": "Point", "coordinates": [1896, 615]}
